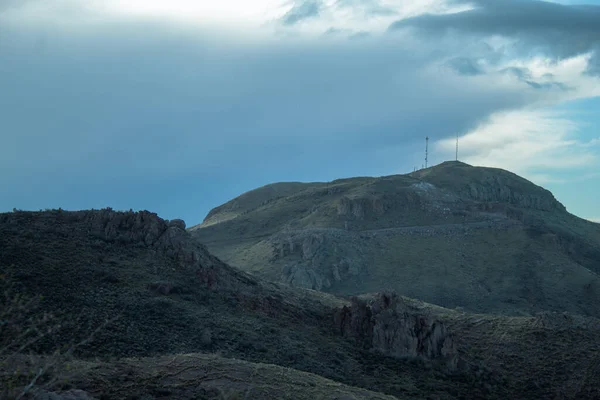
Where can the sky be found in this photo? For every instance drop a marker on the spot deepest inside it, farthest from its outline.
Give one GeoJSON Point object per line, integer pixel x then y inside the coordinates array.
{"type": "Point", "coordinates": [178, 106]}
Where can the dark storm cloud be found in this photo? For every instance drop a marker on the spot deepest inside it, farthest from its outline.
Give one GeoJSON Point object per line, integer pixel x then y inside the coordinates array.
{"type": "Point", "coordinates": [302, 10]}
{"type": "Point", "coordinates": [556, 29]}
{"type": "Point", "coordinates": [159, 104]}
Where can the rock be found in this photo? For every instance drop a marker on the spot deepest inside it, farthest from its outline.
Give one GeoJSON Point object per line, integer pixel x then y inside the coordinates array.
{"type": "Point", "coordinates": [387, 326]}
{"type": "Point", "coordinates": [303, 277]}
{"type": "Point", "coordinates": [177, 223]}
{"type": "Point", "coordinates": [73, 394]}
{"type": "Point", "coordinates": [360, 207]}
{"type": "Point", "coordinates": [501, 189]}
{"type": "Point", "coordinates": [311, 245]}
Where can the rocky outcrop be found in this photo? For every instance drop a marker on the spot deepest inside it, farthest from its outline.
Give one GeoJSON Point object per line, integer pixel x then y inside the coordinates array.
{"type": "Point", "coordinates": [499, 188]}
{"type": "Point", "coordinates": [136, 229]}
{"type": "Point", "coordinates": [360, 207]}
{"type": "Point", "coordinates": [316, 260]}
{"type": "Point", "coordinates": [388, 326]}
{"type": "Point", "coordinates": [374, 206]}
{"type": "Point", "coordinates": [177, 223]}
{"type": "Point", "coordinates": [302, 276]}
{"type": "Point", "coordinates": [145, 229]}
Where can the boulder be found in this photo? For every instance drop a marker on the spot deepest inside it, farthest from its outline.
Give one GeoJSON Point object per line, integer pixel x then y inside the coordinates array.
{"type": "Point", "coordinates": [177, 223]}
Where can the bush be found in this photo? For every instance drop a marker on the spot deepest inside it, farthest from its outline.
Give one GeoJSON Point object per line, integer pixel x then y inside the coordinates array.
{"type": "Point", "coordinates": [22, 325]}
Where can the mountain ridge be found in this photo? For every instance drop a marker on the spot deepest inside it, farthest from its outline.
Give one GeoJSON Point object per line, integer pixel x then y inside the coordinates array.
{"type": "Point", "coordinates": [271, 192]}
{"type": "Point", "coordinates": [192, 317]}
{"type": "Point", "coordinates": [482, 227]}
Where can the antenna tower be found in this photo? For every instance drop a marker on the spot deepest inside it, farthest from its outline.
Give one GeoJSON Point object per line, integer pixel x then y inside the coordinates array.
{"type": "Point", "coordinates": [426, 150]}
{"type": "Point", "coordinates": [457, 147]}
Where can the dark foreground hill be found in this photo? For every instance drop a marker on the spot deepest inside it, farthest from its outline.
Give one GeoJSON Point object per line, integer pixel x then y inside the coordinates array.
{"type": "Point", "coordinates": [455, 235]}
{"type": "Point", "coordinates": [189, 326]}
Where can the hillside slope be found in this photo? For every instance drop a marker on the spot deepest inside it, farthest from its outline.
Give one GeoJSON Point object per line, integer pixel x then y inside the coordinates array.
{"type": "Point", "coordinates": [171, 297]}
{"type": "Point", "coordinates": [234, 332]}
{"type": "Point", "coordinates": [455, 235]}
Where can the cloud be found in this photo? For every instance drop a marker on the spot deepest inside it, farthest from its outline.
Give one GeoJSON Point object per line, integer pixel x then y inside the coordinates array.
{"type": "Point", "coordinates": [465, 66]}
{"type": "Point", "coordinates": [596, 220]}
{"type": "Point", "coordinates": [373, 8]}
{"type": "Point", "coordinates": [302, 10]}
{"type": "Point", "coordinates": [541, 145]}
{"type": "Point", "coordinates": [165, 102]}
{"type": "Point", "coordinates": [123, 99]}
{"type": "Point", "coordinates": [539, 26]}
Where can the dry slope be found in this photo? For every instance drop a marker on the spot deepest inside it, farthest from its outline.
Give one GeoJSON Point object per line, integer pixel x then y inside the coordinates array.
{"type": "Point", "coordinates": [173, 297]}
{"type": "Point", "coordinates": [455, 235]}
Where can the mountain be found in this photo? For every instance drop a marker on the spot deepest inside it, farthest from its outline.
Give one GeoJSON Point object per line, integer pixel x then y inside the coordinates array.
{"type": "Point", "coordinates": [454, 235]}
{"type": "Point", "coordinates": [155, 316]}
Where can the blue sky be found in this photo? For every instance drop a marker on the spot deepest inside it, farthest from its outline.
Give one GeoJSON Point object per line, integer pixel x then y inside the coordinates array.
{"type": "Point", "coordinates": [178, 106]}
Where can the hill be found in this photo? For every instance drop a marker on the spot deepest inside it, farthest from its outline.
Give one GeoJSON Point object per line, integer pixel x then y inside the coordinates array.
{"type": "Point", "coordinates": [455, 235]}
{"type": "Point", "coordinates": [190, 326]}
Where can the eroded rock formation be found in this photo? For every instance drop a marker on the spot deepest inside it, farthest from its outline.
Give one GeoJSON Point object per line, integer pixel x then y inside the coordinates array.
{"type": "Point", "coordinates": [316, 260]}
{"type": "Point", "coordinates": [501, 189]}
{"type": "Point", "coordinates": [138, 229]}
{"type": "Point", "coordinates": [388, 326]}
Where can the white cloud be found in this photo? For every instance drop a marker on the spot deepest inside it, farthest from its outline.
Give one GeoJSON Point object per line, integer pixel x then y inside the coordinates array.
{"type": "Point", "coordinates": [222, 11]}
{"type": "Point", "coordinates": [540, 145]}
{"type": "Point", "coordinates": [596, 220]}
{"type": "Point", "coordinates": [254, 17]}
{"type": "Point", "coordinates": [355, 16]}
{"type": "Point", "coordinates": [535, 141]}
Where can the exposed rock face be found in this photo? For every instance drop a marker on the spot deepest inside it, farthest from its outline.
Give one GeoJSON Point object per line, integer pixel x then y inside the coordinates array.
{"type": "Point", "coordinates": [499, 189]}
{"type": "Point", "coordinates": [375, 206]}
{"type": "Point", "coordinates": [315, 260]}
{"type": "Point", "coordinates": [360, 207]}
{"type": "Point", "coordinates": [385, 325]}
{"type": "Point", "coordinates": [302, 277]}
{"type": "Point", "coordinates": [177, 223]}
{"type": "Point", "coordinates": [145, 228]}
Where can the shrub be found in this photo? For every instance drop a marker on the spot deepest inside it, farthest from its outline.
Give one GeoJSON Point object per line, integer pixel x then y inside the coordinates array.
{"type": "Point", "coordinates": [22, 325]}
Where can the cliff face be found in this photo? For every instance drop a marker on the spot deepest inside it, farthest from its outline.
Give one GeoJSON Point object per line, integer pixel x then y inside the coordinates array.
{"type": "Point", "coordinates": [490, 185]}
{"type": "Point", "coordinates": [498, 189]}
{"type": "Point", "coordinates": [387, 326]}
{"type": "Point", "coordinates": [316, 260]}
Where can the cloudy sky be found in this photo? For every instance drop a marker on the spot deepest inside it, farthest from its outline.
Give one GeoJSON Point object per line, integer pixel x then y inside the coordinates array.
{"type": "Point", "coordinates": [177, 106]}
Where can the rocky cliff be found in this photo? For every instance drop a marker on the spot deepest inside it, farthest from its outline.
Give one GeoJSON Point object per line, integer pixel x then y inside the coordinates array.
{"type": "Point", "coordinates": [386, 325]}
{"type": "Point", "coordinates": [490, 185]}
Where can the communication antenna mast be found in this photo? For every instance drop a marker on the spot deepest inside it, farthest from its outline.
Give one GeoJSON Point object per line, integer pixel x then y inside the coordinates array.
{"type": "Point", "coordinates": [426, 150]}
{"type": "Point", "coordinates": [457, 147]}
